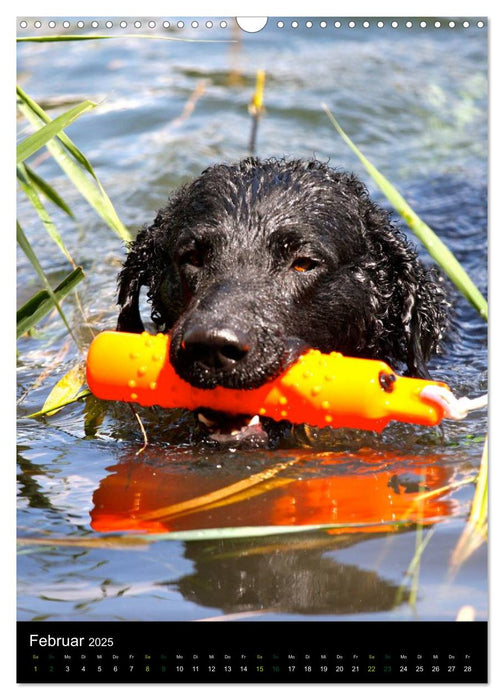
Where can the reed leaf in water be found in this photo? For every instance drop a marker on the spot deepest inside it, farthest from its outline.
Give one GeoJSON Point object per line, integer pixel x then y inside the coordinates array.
{"type": "Point", "coordinates": [30, 254]}
{"type": "Point", "coordinates": [94, 37]}
{"type": "Point", "coordinates": [50, 134]}
{"type": "Point", "coordinates": [66, 402]}
{"type": "Point", "coordinates": [36, 141]}
{"type": "Point", "coordinates": [31, 192]}
{"type": "Point", "coordinates": [75, 165]}
{"type": "Point", "coordinates": [41, 303]}
{"type": "Point", "coordinates": [66, 390]}
{"type": "Point", "coordinates": [436, 248]}
{"type": "Point", "coordinates": [47, 191]}
{"type": "Point", "coordinates": [217, 533]}
{"type": "Point", "coordinates": [476, 530]}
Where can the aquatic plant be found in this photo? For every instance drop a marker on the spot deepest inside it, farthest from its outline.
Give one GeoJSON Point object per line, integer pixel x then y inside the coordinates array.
{"type": "Point", "coordinates": [79, 171]}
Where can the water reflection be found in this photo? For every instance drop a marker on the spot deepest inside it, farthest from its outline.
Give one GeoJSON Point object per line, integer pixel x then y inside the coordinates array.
{"type": "Point", "coordinates": [365, 495]}
{"type": "Point", "coordinates": [294, 575]}
{"type": "Point", "coordinates": [364, 491]}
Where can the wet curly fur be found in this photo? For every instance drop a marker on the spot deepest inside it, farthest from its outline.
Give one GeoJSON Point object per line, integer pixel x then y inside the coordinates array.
{"type": "Point", "coordinates": [253, 262]}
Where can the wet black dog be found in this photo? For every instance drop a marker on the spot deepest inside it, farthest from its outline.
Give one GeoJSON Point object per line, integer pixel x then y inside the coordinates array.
{"type": "Point", "coordinates": [252, 263]}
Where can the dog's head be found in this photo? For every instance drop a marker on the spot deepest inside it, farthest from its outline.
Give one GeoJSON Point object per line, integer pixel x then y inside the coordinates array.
{"type": "Point", "coordinates": [251, 263]}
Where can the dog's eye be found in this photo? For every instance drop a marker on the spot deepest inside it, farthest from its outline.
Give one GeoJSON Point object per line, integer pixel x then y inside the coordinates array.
{"type": "Point", "coordinates": [303, 264]}
{"type": "Point", "coordinates": [194, 258]}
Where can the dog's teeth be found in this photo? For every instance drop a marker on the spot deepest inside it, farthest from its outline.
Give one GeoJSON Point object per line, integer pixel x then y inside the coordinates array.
{"type": "Point", "coordinates": [255, 420]}
{"type": "Point", "coordinates": [203, 419]}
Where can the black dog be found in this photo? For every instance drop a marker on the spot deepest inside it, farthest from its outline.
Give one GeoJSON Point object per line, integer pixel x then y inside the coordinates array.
{"type": "Point", "coordinates": [254, 262]}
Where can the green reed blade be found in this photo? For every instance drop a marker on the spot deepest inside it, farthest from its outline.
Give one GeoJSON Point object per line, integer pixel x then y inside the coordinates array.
{"type": "Point", "coordinates": [30, 191]}
{"type": "Point", "coordinates": [60, 148]}
{"type": "Point", "coordinates": [30, 254]}
{"type": "Point", "coordinates": [48, 191]}
{"type": "Point", "coordinates": [40, 304]}
{"type": "Point", "coordinates": [91, 37]}
{"type": "Point", "coordinates": [61, 404]}
{"type": "Point", "coordinates": [437, 249]}
{"type": "Point", "coordinates": [36, 141]}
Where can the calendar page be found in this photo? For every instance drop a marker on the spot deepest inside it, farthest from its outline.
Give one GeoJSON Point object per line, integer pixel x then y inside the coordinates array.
{"type": "Point", "coordinates": [252, 349]}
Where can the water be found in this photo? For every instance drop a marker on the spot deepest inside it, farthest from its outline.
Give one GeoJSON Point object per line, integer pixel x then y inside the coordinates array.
{"type": "Point", "coordinates": [415, 101]}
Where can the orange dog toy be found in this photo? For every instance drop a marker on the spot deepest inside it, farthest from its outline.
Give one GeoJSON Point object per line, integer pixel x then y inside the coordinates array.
{"type": "Point", "coordinates": [322, 390]}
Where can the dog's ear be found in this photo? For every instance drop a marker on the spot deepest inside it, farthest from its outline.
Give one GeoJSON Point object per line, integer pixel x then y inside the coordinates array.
{"type": "Point", "coordinates": [424, 317]}
{"type": "Point", "coordinates": [135, 273]}
{"type": "Point", "coordinates": [416, 317]}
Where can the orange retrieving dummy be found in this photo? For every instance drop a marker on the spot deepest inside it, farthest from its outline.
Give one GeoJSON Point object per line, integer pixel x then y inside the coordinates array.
{"type": "Point", "coordinates": [322, 390]}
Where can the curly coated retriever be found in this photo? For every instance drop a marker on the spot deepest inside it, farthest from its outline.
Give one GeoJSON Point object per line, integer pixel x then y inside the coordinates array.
{"type": "Point", "coordinates": [252, 263]}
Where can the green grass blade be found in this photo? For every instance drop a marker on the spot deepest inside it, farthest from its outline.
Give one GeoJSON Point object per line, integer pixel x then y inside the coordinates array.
{"type": "Point", "coordinates": [56, 407]}
{"type": "Point", "coordinates": [48, 191]}
{"type": "Point", "coordinates": [241, 532]}
{"type": "Point", "coordinates": [31, 193]}
{"type": "Point", "coordinates": [30, 254]}
{"type": "Point", "coordinates": [476, 530]}
{"type": "Point", "coordinates": [41, 303]}
{"type": "Point", "coordinates": [479, 510]}
{"type": "Point", "coordinates": [60, 148]}
{"type": "Point", "coordinates": [66, 390]}
{"type": "Point", "coordinates": [437, 249]}
{"type": "Point", "coordinates": [219, 533]}
{"type": "Point", "coordinates": [29, 107]}
{"type": "Point", "coordinates": [90, 37]}
{"type": "Point", "coordinates": [36, 141]}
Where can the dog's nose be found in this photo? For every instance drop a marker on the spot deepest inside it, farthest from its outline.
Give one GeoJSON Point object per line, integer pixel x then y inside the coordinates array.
{"type": "Point", "coordinates": [216, 348]}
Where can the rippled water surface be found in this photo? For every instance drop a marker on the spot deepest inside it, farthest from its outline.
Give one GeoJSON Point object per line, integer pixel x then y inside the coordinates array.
{"type": "Point", "coordinates": [415, 101]}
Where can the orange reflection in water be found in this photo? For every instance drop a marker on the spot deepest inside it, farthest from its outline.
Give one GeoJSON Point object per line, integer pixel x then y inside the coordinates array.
{"type": "Point", "coordinates": [369, 492]}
